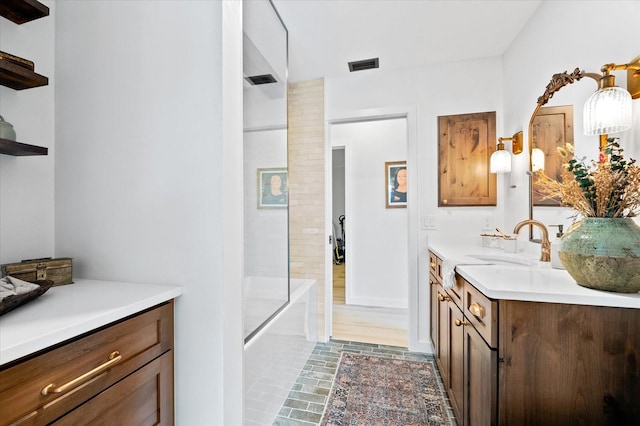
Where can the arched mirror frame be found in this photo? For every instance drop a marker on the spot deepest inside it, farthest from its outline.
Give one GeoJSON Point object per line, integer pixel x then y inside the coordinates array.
{"type": "Point", "coordinates": [557, 82]}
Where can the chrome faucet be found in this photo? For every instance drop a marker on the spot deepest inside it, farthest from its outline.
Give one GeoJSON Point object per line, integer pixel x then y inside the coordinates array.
{"type": "Point", "coordinates": [545, 255]}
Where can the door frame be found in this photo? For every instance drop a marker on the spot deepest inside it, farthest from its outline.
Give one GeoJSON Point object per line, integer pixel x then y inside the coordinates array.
{"type": "Point", "coordinates": [376, 114]}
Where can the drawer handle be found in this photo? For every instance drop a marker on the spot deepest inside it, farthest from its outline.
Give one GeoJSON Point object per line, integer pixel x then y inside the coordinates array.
{"type": "Point", "coordinates": [460, 322]}
{"type": "Point", "coordinates": [114, 358]}
{"type": "Point", "coordinates": [442, 298]}
{"type": "Point", "coordinates": [477, 310]}
{"type": "Point", "coordinates": [432, 282]}
{"type": "Point", "coordinates": [433, 265]}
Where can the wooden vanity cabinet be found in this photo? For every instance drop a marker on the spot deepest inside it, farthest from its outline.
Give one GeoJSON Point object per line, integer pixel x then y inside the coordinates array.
{"type": "Point", "coordinates": [536, 363]}
{"type": "Point", "coordinates": [467, 362]}
{"type": "Point", "coordinates": [118, 374]}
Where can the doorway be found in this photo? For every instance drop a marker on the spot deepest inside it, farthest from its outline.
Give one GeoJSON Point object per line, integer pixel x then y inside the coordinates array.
{"type": "Point", "coordinates": [371, 286]}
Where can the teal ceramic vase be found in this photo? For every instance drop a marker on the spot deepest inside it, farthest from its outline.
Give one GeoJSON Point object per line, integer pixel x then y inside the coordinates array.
{"type": "Point", "coordinates": [603, 253]}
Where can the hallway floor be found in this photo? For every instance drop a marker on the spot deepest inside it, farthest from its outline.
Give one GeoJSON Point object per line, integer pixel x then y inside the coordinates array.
{"type": "Point", "coordinates": [307, 399]}
{"type": "Point", "coordinates": [369, 324]}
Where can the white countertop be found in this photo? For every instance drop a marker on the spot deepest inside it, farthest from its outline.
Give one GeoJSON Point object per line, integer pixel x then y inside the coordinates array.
{"type": "Point", "coordinates": [537, 282]}
{"type": "Point", "coordinates": [64, 312]}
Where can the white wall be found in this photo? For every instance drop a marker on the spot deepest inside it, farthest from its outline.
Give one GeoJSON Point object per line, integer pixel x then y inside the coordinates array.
{"type": "Point", "coordinates": [146, 112]}
{"type": "Point", "coordinates": [561, 36]}
{"type": "Point", "coordinates": [377, 245]}
{"type": "Point", "coordinates": [26, 183]}
{"type": "Point", "coordinates": [442, 89]}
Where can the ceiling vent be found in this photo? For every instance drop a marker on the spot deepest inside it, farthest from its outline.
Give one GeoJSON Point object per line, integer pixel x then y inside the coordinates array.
{"type": "Point", "coordinates": [261, 79]}
{"type": "Point", "coordinates": [366, 64]}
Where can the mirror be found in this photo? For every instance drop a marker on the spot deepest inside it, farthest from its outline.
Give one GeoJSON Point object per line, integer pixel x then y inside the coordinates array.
{"type": "Point", "coordinates": [553, 125]}
{"type": "Point", "coordinates": [266, 222]}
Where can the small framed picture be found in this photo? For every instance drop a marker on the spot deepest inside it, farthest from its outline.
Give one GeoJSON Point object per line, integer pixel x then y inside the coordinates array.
{"type": "Point", "coordinates": [272, 188]}
{"type": "Point", "coordinates": [395, 177]}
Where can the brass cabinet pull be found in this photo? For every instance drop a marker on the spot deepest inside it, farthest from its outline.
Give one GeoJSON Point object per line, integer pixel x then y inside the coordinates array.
{"type": "Point", "coordinates": [459, 322]}
{"type": "Point", "coordinates": [114, 358]}
{"type": "Point", "coordinates": [432, 282]}
{"type": "Point", "coordinates": [433, 265]}
{"type": "Point", "coordinates": [477, 310]}
{"type": "Point", "coordinates": [442, 298]}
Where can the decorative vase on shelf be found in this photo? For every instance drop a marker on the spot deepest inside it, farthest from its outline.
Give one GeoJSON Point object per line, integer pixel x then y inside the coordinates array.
{"type": "Point", "coordinates": [603, 254]}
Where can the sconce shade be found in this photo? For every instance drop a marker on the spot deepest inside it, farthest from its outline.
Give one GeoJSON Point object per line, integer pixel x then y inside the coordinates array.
{"type": "Point", "coordinates": [500, 161]}
{"type": "Point", "coordinates": [537, 159]}
{"type": "Point", "coordinates": [606, 111]}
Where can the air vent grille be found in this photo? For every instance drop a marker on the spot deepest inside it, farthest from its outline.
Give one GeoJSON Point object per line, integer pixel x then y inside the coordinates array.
{"type": "Point", "coordinates": [365, 64]}
{"type": "Point", "coordinates": [261, 79]}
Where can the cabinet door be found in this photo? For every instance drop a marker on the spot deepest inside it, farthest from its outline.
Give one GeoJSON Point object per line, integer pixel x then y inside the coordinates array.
{"type": "Point", "coordinates": [434, 314]}
{"type": "Point", "coordinates": [442, 343]}
{"type": "Point", "coordinates": [145, 397]}
{"type": "Point", "coordinates": [456, 356]}
{"type": "Point", "coordinates": [480, 370]}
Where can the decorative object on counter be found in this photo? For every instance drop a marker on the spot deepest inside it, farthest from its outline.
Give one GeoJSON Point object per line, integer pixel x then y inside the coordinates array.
{"type": "Point", "coordinates": [465, 143]}
{"type": "Point", "coordinates": [15, 292]}
{"type": "Point", "coordinates": [58, 270]}
{"type": "Point", "coordinates": [6, 130]}
{"type": "Point", "coordinates": [601, 251]}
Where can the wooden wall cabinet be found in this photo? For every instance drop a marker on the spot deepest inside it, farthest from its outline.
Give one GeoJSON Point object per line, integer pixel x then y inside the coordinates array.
{"type": "Point", "coordinates": [465, 145]}
{"type": "Point", "coordinates": [126, 370]}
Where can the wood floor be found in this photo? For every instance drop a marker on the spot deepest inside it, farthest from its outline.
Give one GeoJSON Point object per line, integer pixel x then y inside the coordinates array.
{"type": "Point", "coordinates": [368, 324]}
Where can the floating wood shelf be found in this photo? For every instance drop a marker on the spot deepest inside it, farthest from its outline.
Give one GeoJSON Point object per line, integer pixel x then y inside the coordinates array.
{"type": "Point", "coordinates": [19, 78]}
{"type": "Point", "coordinates": [21, 11]}
{"type": "Point", "coordinates": [10, 147]}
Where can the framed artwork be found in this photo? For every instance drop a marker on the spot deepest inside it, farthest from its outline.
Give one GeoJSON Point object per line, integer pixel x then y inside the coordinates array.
{"type": "Point", "coordinates": [272, 188]}
{"type": "Point", "coordinates": [552, 129]}
{"type": "Point", "coordinates": [465, 145]}
{"type": "Point", "coordinates": [395, 179]}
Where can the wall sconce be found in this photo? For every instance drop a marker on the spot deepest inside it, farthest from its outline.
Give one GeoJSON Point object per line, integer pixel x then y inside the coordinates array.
{"type": "Point", "coordinates": [608, 110]}
{"type": "Point", "coordinates": [537, 159]}
{"type": "Point", "coordinates": [500, 161]}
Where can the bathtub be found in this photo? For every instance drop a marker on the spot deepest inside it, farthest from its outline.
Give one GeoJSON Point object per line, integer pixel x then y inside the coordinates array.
{"type": "Point", "coordinates": [274, 356]}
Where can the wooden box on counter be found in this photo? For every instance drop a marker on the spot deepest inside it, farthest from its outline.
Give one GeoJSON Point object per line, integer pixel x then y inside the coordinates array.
{"type": "Point", "coordinates": [58, 270]}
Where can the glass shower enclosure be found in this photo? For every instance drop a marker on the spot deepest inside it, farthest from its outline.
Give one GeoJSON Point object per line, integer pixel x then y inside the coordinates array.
{"type": "Point", "coordinates": [266, 224]}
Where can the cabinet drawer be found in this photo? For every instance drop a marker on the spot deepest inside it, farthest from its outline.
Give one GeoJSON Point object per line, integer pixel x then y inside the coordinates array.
{"type": "Point", "coordinates": [137, 341]}
{"type": "Point", "coordinates": [435, 266]}
{"type": "Point", "coordinates": [142, 398]}
{"type": "Point", "coordinates": [482, 312]}
{"type": "Point", "coordinates": [457, 292]}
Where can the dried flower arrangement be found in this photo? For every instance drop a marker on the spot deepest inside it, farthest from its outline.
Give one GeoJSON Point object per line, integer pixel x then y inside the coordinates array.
{"type": "Point", "coordinates": [609, 187]}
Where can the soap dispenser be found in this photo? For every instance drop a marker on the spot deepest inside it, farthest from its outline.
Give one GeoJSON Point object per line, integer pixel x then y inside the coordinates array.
{"type": "Point", "coordinates": [555, 246]}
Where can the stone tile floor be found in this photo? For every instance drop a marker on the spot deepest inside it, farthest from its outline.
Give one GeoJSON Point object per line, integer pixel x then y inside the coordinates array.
{"type": "Point", "coordinates": [307, 399]}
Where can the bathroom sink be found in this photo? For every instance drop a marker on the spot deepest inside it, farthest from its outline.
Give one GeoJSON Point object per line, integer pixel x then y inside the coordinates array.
{"type": "Point", "coordinates": [506, 259]}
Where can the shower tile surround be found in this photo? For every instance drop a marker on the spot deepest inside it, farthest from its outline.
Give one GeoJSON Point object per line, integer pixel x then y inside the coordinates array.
{"type": "Point", "coordinates": [306, 186]}
{"type": "Point", "coordinates": [310, 393]}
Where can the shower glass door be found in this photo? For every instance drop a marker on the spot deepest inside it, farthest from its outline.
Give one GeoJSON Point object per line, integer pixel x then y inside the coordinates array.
{"type": "Point", "coordinates": [266, 232]}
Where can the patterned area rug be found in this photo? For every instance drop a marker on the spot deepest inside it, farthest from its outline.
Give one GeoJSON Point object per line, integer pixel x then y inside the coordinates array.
{"type": "Point", "coordinates": [371, 390]}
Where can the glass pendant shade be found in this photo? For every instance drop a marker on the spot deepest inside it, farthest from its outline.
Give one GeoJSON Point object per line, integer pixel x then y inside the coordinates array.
{"type": "Point", "coordinates": [606, 111]}
{"type": "Point", "coordinates": [537, 159]}
{"type": "Point", "coordinates": [500, 162]}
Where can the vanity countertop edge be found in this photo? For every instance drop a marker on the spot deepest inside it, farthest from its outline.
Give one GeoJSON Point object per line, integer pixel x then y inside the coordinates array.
{"type": "Point", "coordinates": [539, 283]}
{"type": "Point", "coordinates": [68, 311]}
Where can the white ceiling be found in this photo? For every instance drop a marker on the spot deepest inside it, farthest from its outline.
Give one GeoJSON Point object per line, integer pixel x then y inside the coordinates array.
{"type": "Point", "coordinates": [326, 34]}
